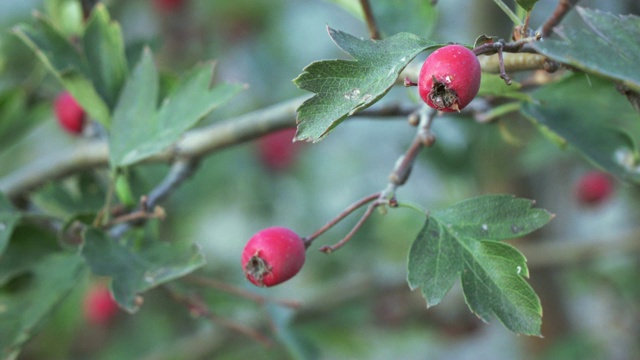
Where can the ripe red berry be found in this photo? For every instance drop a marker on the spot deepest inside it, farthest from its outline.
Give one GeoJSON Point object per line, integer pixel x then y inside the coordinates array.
{"type": "Point", "coordinates": [272, 256]}
{"type": "Point", "coordinates": [99, 305]}
{"type": "Point", "coordinates": [594, 187]}
{"type": "Point", "coordinates": [69, 113]}
{"type": "Point", "coordinates": [449, 78]}
{"type": "Point", "coordinates": [277, 151]}
{"type": "Point", "coordinates": [168, 6]}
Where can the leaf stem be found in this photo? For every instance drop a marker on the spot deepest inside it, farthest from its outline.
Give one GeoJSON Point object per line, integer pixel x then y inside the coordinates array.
{"type": "Point", "coordinates": [365, 216]}
{"type": "Point", "coordinates": [561, 10]}
{"type": "Point", "coordinates": [514, 18]}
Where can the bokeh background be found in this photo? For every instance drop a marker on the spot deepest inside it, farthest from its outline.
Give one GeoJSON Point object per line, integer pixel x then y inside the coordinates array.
{"type": "Point", "coordinates": [355, 303]}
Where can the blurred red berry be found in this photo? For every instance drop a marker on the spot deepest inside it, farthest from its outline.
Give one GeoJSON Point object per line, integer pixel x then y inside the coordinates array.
{"type": "Point", "coordinates": [594, 188]}
{"type": "Point", "coordinates": [168, 6]}
{"type": "Point", "coordinates": [70, 114]}
{"type": "Point", "coordinates": [277, 151]}
{"type": "Point", "coordinates": [99, 305]}
{"type": "Point", "coordinates": [272, 256]}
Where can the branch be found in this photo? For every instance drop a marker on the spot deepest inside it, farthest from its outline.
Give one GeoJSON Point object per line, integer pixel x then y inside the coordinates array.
{"type": "Point", "coordinates": [374, 33]}
{"type": "Point", "coordinates": [564, 6]}
{"type": "Point", "coordinates": [195, 144]}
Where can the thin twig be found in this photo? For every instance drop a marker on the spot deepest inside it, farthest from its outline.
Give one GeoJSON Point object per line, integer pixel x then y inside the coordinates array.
{"type": "Point", "coordinates": [329, 249]}
{"type": "Point", "coordinates": [561, 10]}
{"type": "Point", "coordinates": [353, 207]}
{"type": "Point", "coordinates": [374, 33]}
{"type": "Point", "coordinates": [234, 290]}
{"type": "Point", "coordinates": [198, 308]}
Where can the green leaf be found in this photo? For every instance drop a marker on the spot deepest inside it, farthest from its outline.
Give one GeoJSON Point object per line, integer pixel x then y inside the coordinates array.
{"type": "Point", "coordinates": [527, 4]}
{"type": "Point", "coordinates": [460, 241]}
{"type": "Point", "coordinates": [47, 282]}
{"type": "Point", "coordinates": [135, 271]}
{"type": "Point", "coordinates": [343, 87]}
{"type": "Point", "coordinates": [134, 116]}
{"type": "Point", "coordinates": [140, 131]}
{"type": "Point", "coordinates": [493, 85]}
{"type": "Point", "coordinates": [9, 219]}
{"type": "Point", "coordinates": [603, 44]}
{"type": "Point", "coordinates": [579, 109]}
{"type": "Point", "coordinates": [104, 50]}
{"type": "Point", "coordinates": [494, 217]}
{"type": "Point", "coordinates": [18, 116]}
{"type": "Point", "coordinates": [65, 62]}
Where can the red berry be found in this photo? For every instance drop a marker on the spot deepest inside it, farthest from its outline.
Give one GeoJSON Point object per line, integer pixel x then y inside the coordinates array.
{"type": "Point", "coordinates": [99, 305]}
{"type": "Point", "coordinates": [168, 6]}
{"type": "Point", "coordinates": [277, 151]}
{"type": "Point", "coordinates": [272, 256]}
{"type": "Point", "coordinates": [449, 78]}
{"type": "Point", "coordinates": [69, 113]}
{"type": "Point", "coordinates": [594, 188]}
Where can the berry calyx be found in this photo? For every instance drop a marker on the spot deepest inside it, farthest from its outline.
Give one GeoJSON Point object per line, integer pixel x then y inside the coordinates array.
{"type": "Point", "coordinates": [594, 188]}
{"type": "Point", "coordinates": [99, 306]}
{"type": "Point", "coordinates": [70, 115]}
{"type": "Point", "coordinates": [449, 78]}
{"type": "Point", "coordinates": [277, 151]}
{"type": "Point", "coordinates": [272, 256]}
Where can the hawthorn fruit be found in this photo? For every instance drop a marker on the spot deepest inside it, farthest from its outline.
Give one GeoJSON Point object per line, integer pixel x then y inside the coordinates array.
{"type": "Point", "coordinates": [277, 151]}
{"type": "Point", "coordinates": [70, 115]}
{"type": "Point", "coordinates": [272, 256]}
{"type": "Point", "coordinates": [99, 306]}
{"type": "Point", "coordinates": [168, 6]}
{"type": "Point", "coordinates": [594, 188]}
{"type": "Point", "coordinates": [449, 78]}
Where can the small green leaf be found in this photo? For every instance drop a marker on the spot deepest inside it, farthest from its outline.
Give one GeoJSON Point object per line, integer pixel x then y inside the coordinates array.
{"type": "Point", "coordinates": [493, 283]}
{"type": "Point", "coordinates": [135, 271]}
{"type": "Point", "coordinates": [578, 109]}
{"type": "Point", "coordinates": [527, 4]}
{"type": "Point", "coordinates": [134, 117]}
{"type": "Point", "coordinates": [493, 217]}
{"type": "Point", "coordinates": [45, 284]}
{"type": "Point", "coordinates": [459, 241]}
{"type": "Point", "coordinates": [139, 130]}
{"type": "Point", "coordinates": [343, 87]}
{"type": "Point", "coordinates": [66, 63]}
{"type": "Point", "coordinates": [104, 49]}
{"type": "Point", "coordinates": [603, 44]}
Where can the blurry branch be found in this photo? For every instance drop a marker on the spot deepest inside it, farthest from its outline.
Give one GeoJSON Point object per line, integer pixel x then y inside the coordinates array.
{"type": "Point", "coordinates": [564, 6]}
{"type": "Point", "coordinates": [374, 32]}
{"type": "Point", "coordinates": [195, 144]}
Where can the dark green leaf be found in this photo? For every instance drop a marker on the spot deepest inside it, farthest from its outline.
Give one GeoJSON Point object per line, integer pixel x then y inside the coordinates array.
{"type": "Point", "coordinates": [493, 217]}
{"type": "Point", "coordinates": [66, 63]}
{"type": "Point", "coordinates": [343, 87]}
{"type": "Point", "coordinates": [135, 271]}
{"type": "Point", "coordinates": [9, 218]}
{"type": "Point", "coordinates": [603, 44]}
{"type": "Point", "coordinates": [527, 4]}
{"type": "Point", "coordinates": [140, 131]}
{"type": "Point", "coordinates": [579, 109]}
{"type": "Point", "coordinates": [104, 50]}
{"type": "Point", "coordinates": [27, 247]}
{"type": "Point", "coordinates": [493, 283]}
{"type": "Point", "coordinates": [49, 280]}
{"type": "Point", "coordinates": [17, 117]}
{"type": "Point", "coordinates": [458, 241]}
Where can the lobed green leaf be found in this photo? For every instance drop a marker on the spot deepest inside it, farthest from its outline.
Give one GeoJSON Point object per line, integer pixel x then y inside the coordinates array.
{"type": "Point", "coordinates": [343, 87]}
{"type": "Point", "coordinates": [460, 241]}
{"type": "Point", "coordinates": [135, 271]}
{"type": "Point", "coordinates": [602, 44]}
